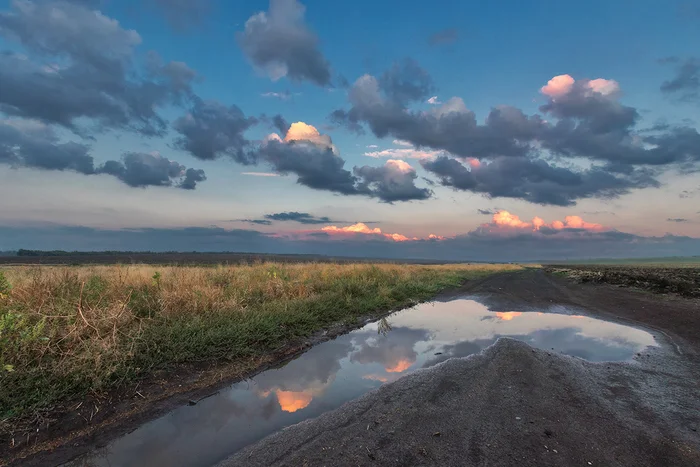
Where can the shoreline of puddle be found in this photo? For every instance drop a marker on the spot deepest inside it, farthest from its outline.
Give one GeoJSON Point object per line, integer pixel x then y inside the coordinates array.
{"type": "Point", "coordinates": [333, 372]}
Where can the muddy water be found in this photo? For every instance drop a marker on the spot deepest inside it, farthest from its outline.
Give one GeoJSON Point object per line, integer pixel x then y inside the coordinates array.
{"type": "Point", "coordinates": [337, 371]}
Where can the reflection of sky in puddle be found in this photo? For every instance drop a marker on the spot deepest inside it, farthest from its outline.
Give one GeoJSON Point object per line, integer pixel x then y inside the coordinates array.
{"type": "Point", "coordinates": [343, 369]}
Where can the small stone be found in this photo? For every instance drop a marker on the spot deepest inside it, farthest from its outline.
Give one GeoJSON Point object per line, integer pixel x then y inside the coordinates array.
{"type": "Point", "coordinates": [517, 418]}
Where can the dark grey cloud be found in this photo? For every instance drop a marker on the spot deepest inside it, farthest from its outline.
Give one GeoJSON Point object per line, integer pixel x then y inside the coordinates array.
{"type": "Point", "coordinates": [257, 221]}
{"type": "Point", "coordinates": [685, 84]}
{"type": "Point", "coordinates": [212, 130]}
{"type": "Point", "coordinates": [280, 43]}
{"type": "Point", "coordinates": [406, 81]}
{"type": "Point", "coordinates": [182, 15]}
{"type": "Point", "coordinates": [676, 219]}
{"type": "Point", "coordinates": [534, 180]}
{"type": "Point", "coordinates": [82, 34]}
{"type": "Point", "coordinates": [390, 183]}
{"type": "Point", "coordinates": [318, 167]}
{"type": "Point", "coordinates": [443, 37]}
{"type": "Point", "coordinates": [278, 122]}
{"type": "Point", "coordinates": [315, 166]}
{"type": "Point", "coordinates": [192, 177]}
{"type": "Point", "coordinates": [86, 73]}
{"type": "Point", "coordinates": [141, 169]}
{"type": "Point", "coordinates": [595, 113]}
{"type": "Point", "coordinates": [301, 217]}
{"type": "Point", "coordinates": [31, 144]}
{"type": "Point", "coordinates": [525, 156]}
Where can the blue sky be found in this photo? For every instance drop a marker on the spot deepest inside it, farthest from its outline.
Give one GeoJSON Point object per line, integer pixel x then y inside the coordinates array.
{"type": "Point", "coordinates": [582, 151]}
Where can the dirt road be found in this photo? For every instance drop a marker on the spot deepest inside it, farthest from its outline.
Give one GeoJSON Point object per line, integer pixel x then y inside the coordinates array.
{"type": "Point", "coordinates": [512, 405]}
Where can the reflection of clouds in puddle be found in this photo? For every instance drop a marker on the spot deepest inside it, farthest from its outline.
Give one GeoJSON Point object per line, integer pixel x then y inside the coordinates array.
{"type": "Point", "coordinates": [291, 401]}
{"type": "Point", "coordinates": [401, 366]}
{"type": "Point", "coordinates": [297, 383]}
{"type": "Point", "coordinates": [375, 377]}
{"type": "Point", "coordinates": [507, 315]}
{"type": "Point", "coordinates": [394, 351]}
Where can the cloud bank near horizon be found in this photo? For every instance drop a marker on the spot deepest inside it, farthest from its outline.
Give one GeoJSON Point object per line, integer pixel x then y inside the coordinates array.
{"type": "Point", "coordinates": [505, 238]}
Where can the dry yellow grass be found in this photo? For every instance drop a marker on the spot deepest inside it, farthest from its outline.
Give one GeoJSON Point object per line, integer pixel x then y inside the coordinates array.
{"type": "Point", "coordinates": [67, 330]}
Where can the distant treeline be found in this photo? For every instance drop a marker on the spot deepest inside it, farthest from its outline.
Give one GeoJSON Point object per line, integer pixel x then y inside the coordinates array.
{"type": "Point", "coordinates": [35, 253]}
{"type": "Point", "coordinates": [22, 252]}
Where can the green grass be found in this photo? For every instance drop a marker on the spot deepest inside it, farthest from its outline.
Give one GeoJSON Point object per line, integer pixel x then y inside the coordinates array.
{"type": "Point", "coordinates": [69, 331]}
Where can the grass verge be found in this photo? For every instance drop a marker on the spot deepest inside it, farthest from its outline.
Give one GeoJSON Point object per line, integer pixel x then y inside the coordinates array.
{"type": "Point", "coordinates": [69, 331]}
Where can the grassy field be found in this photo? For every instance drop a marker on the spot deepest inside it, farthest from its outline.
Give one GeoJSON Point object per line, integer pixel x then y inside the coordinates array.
{"type": "Point", "coordinates": [66, 331]}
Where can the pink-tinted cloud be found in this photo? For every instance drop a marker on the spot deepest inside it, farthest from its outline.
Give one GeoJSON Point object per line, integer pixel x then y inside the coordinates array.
{"type": "Point", "coordinates": [362, 229]}
{"type": "Point", "coordinates": [562, 84]}
{"type": "Point", "coordinates": [558, 86]}
{"type": "Point", "coordinates": [504, 219]}
{"type": "Point", "coordinates": [604, 86]}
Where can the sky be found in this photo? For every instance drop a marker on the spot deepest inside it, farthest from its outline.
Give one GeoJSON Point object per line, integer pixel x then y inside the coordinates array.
{"type": "Point", "coordinates": [504, 131]}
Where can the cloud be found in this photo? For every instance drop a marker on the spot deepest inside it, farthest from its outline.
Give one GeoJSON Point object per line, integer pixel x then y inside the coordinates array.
{"type": "Point", "coordinates": [676, 219]}
{"type": "Point", "coordinates": [406, 81]}
{"type": "Point", "coordinates": [257, 221]}
{"type": "Point", "coordinates": [313, 157]}
{"type": "Point", "coordinates": [361, 229]}
{"type": "Point", "coordinates": [32, 144]}
{"type": "Point", "coordinates": [283, 96]}
{"type": "Point", "coordinates": [280, 43]}
{"type": "Point", "coordinates": [192, 177]}
{"type": "Point", "coordinates": [443, 37]}
{"type": "Point", "coordinates": [558, 86]}
{"type": "Point", "coordinates": [142, 169]}
{"type": "Point", "coordinates": [261, 174]}
{"type": "Point", "coordinates": [504, 219]}
{"type": "Point", "coordinates": [395, 153]}
{"type": "Point", "coordinates": [689, 193]}
{"type": "Point", "coordinates": [301, 217]}
{"type": "Point", "coordinates": [211, 130]}
{"type": "Point", "coordinates": [313, 160]}
{"type": "Point", "coordinates": [485, 243]}
{"type": "Point", "coordinates": [533, 180]}
{"type": "Point", "coordinates": [395, 181]}
{"type": "Point", "coordinates": [183, 14]}
{"type": "Point", "coordinates": [433, 101]}
{"type": "Point", "coordinates": [89, 74]}
{"type": "Point", "coordinates": [486, 212]}
{"type": "Point", "coordinates": [277, 122]}
{"type": "Point", "coordinates": [685, 85]}
{"type": "Point", "coordinates": [586, 147]}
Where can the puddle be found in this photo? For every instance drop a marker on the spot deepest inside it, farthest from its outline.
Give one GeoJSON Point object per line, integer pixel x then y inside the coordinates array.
{"type": "Point", "coordinates": [337, 371]}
